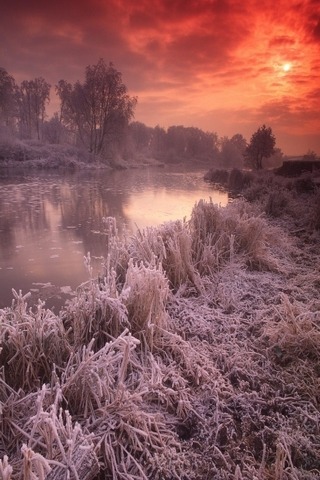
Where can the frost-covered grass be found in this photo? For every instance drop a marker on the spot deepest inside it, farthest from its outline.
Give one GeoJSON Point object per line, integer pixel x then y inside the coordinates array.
{"type": "Point", "coordinates": [20, 154]}
{"type": "Point", "coordinates": [36, 155]}
{"type": "Point", "coordinates": [195, 355]}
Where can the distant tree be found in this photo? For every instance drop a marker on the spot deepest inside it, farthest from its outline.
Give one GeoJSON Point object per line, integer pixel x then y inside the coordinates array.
{"type": "Point", "coordinates": [232, 151]}
{"type": "Point", "coordinates": [32, 97]}
{"type": "Point", "coordinates": [275, 160]}
{"type": "Point", "coordinates": [137, 141]}
{"type": "Point", "coordinates": [200, 144]}
{"type": "Point", "coordinates": [239, 142]}
{"type": "Point", "coordinates": [158, 141]}
{"type": "Point", "coordinates": [64, 91]}
{"type": "Point", "coordinates": [310, 156]}
{"type": "Point", "coordinates": [190, 143]}
{"type": "Point", "coordinates": [7, 99]}
{"type": "Point", "coordinates": [98, 109]}
{"type": "Point", "coordinates": [140, 135]}
{"type": "Point", "coordinates": [53, 131]}
{"type": "Point", "coordinates": [176, 142]}
{"type": "Point", "coordinates": [261, 146]}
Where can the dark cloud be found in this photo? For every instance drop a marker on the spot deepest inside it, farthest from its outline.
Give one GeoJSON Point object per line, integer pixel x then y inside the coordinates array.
{"type": "Point", "coordinates": [282, 41]}
{"type": "Point", "coordinates": [316, 31]}
{"type": "Point", "coordinates": [58, 11]}
{"type": "Point", "coordinates": [312, 20]}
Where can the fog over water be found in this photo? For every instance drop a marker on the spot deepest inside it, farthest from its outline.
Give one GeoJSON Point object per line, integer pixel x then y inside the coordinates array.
{"type": "Point", "coordinates": [50, 221]}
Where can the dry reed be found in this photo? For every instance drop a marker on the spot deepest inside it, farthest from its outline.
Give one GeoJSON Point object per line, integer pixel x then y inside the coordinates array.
{"type": "Point", "coordinates": [31, 342]}
{"type": "Point", "coordinates": [146, 291]}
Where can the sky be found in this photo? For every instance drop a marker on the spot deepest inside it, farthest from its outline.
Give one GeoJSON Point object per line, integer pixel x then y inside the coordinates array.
{"type": "Point", "coordinates": [224, 66]}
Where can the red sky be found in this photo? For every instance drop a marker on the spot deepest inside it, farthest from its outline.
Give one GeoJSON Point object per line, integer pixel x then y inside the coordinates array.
{"type": "Point", "coordinates": [221, 65]}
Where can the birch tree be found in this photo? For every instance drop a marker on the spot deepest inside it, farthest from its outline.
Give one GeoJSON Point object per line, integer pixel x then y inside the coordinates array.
{"type": "Point", "coordinates": [32, 97]}
{"type": "Point", "coordinates": [7, 99]}
{"type": "Point", "coordinates": [99, 108]}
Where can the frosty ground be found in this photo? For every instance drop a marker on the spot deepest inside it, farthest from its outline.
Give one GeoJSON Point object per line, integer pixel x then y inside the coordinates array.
{"type": "Point", "coordinates": [196, 355]}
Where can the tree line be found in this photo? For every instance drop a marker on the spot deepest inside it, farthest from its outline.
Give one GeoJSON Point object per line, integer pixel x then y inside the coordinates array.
{"type": "Point", "coordinates": [93, 113]}
{"type": "Point", "coordinates": [98, 114]}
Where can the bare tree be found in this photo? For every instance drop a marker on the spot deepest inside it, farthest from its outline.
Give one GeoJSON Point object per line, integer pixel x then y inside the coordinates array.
{"type": "Point", "coordinates": [310, 156]}
{"type": "Point", "coordinates": [53, 131]}
{"type": "Point", "coordinates": [99, 108]}
{"type": "Point", "coordinates": [7, 99]}
{"type": "Point", "coordinates": [32, 97]}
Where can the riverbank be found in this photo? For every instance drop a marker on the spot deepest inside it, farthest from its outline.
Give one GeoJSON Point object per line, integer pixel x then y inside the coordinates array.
{"type": "Point", "coordinates": [32, 155]}
{"type": "Point", "coordinates": [196, 355]}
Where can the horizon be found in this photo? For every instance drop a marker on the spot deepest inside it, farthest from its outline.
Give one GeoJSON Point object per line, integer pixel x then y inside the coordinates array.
{"type": "Point", "coordinates": [219, 66]}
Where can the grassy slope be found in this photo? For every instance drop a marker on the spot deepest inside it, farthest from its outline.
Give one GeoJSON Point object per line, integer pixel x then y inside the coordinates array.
{"type": "Point", "coordinates": [197, 356]}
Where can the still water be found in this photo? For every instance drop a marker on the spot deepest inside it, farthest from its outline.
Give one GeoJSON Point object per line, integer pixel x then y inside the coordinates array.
{"type": "Point", "coordinates": [50, 221]}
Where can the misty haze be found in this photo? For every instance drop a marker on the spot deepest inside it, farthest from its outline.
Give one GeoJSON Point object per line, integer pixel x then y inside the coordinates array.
{"type": "Point", "coordinates": [159, 240]}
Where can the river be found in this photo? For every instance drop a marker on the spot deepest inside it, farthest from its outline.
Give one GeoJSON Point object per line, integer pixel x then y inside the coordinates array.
{"type": "Point", "coordinates": [50, 221]}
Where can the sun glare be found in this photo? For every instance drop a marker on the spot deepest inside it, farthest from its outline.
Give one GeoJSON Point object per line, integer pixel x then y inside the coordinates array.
{"type": "Point", "coordinates": [286, 67]}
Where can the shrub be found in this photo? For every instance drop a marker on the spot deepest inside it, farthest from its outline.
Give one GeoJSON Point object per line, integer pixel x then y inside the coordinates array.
{"type": "Point", "coordinates": [238, 180]}
{"type": "Point", "coordinates": [315, 212]}
{"type": "Point", "coordinates": [217, 176]}
{"type": "Point", "coordinates": [276, 203]}
{"type": "Point", "coordinates": [305, 184]}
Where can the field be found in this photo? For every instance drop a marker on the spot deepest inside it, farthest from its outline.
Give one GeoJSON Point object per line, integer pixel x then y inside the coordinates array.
{"type": "Point", "coordinates": [196, 355]}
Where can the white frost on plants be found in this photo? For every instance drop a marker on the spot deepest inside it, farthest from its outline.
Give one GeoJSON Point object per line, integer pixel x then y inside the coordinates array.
{"type": "Point", "coordinates": [66, 289]}
{"type": "Point", "coordinates": [195, 355]}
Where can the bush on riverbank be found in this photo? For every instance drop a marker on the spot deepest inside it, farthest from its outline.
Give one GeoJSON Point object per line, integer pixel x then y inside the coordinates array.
{"type": "Point", "coordinates": [195, 355]}
{"type": "Point", "coordinates": [275, 195]}
{"type": "Point", "coordinates": [234, 180]}
{"type": "Point", "coordinates": [19, 154]}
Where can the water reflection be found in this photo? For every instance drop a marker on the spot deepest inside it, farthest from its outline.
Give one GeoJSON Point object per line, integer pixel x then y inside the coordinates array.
{"type": "Point", "coordinates": [48, 222]}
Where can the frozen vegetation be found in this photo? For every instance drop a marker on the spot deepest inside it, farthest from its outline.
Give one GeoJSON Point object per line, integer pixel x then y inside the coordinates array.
{"type": "Point", "coordinates": [32, 154]}
{"type": "Point", "coordinates": [196, 355]}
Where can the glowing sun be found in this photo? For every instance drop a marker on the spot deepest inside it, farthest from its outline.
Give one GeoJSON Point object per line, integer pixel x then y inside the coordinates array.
{"type": "Point", "coordinates": [286, 67]}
